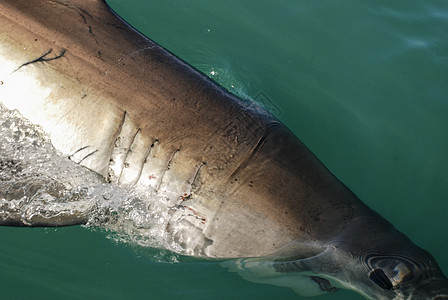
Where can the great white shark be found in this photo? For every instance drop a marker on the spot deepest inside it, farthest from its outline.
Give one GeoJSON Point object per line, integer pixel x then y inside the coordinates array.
{"type": "Point", "coordinates": [117, 103]}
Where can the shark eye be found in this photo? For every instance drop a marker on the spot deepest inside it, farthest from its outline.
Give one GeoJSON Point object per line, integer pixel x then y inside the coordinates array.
{"type": "Point", "coordinates": [379, 277]}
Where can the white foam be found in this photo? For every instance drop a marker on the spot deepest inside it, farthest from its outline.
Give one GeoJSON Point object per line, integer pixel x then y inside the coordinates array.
{"type": "Point", "coordinates": [36, 180]}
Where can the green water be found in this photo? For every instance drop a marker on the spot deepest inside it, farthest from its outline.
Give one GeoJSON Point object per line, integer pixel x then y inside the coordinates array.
{"type": "Point", "coordinates": [363, 83]}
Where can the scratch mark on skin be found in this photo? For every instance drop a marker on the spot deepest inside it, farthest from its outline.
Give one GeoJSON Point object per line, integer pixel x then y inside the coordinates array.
{"type": "Point", "coordinates": [81, 13]}
{"type": "Point", "coordinates": [83, 17]}
{"type": "Point", "coordinates": [79, 150]}
{"type": "Point", "coordinates": [85, 88]}
{"type": "Point", "coordinates": [43, 58]}
{"type": "Point", "coordinates": [199, 216]}
{"type": "Point", "coordinates": [116, 26]}
{"type": "Point", "coordinates": [90, 154]}
{"type": "Point", "coordinates": [185, 197]}
{"type": "Point", "coordinates": [252, 153]}
{"type": "Point", "coordinates": [93, 35]}
{"type": "Point", "coordinates": [138, 51]}
{"type": "Point", "coordinates": [133, 53]}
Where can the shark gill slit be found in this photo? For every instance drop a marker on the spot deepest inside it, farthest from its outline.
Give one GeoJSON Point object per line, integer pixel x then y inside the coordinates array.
{"type": "Point", "coordinates": [115, 133]}
{"type": "Point", "coordinates": [167, 167]}
{"type": "Point", "coordinates": [147, 160]}
{"type": "Point", "coordinates": [194, 185]}
{"type": "Point", "coordinates": [129, 150]}
{"type": "Point", "coordinates": [147, 154]}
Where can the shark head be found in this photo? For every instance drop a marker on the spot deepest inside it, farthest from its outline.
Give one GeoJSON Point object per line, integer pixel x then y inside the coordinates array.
{"type": "Point", "coordinates": [381, 263]}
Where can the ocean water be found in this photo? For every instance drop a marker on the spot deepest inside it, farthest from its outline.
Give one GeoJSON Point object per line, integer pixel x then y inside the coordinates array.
{"type": "Point", "coordinates": [364, 84]}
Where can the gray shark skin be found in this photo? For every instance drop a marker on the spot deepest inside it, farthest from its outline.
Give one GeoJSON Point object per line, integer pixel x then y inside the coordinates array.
{"type": "Point", "coordinates": [121, 105]}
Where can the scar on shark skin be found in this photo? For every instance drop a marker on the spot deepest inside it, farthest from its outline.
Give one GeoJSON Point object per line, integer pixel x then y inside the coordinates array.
{"type": "Point", "coordinates": [90, 154]}
{"type": "Point", "coordinates": [79, 150]}
{"type": "Point", "coordinates": [43, 58]}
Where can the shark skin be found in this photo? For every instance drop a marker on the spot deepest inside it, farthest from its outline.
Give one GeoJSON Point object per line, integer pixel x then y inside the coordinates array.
{"type": "Point", "coordinates": [117, 103]}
